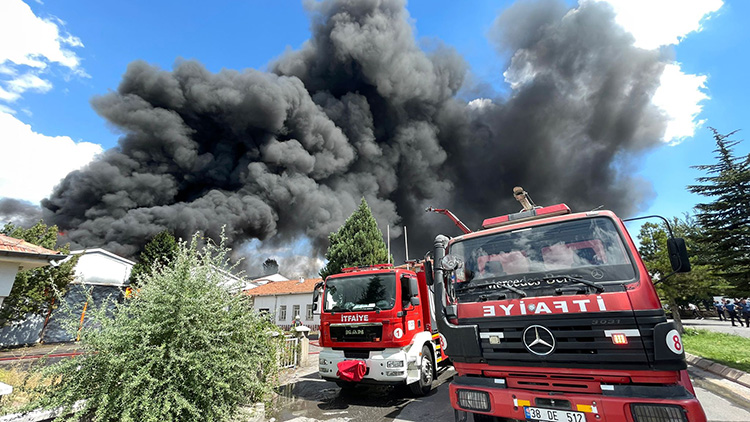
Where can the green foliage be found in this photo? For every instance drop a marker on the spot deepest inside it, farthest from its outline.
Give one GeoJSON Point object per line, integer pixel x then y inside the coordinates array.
{"type": "Point", "coordinates": [33, 289]}
{"type": "Point", "coordinates": [183, 348]}
{"type": "Point", "coordinates": [358, 242]}
{"type": "Point", "coordinates": [726, 233]}
{"type": "Point", "coordinates": [699, 283]}
{"type": "Point", "coordinates": [726, 349]}
{"type": "Point", "coordinates": [161, 250]}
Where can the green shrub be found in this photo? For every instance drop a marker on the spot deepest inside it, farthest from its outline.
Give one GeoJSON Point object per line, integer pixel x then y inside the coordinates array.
{"type": "Point", "coordinates": [182, 348]}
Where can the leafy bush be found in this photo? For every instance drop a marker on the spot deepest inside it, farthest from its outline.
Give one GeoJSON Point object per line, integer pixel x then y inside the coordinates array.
{"type": "Point", "coordinates": [183, 348]}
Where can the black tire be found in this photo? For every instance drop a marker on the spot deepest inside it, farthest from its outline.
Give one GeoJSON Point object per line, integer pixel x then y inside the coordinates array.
{"type": "Point", "coordinates": [478, 417]}
{"type": "Point", "coordinates": [426, 374]}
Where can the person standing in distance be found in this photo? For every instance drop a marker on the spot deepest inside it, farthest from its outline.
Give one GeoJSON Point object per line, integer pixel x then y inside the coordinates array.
{"type": "Point", "coordinates": [732, 312]}
{"type": "Point", "coordinates": [720, 310]}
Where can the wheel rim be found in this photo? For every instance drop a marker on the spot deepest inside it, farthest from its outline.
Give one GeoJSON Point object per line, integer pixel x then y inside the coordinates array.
{"type": "Point", "coordinates": [426, 369]}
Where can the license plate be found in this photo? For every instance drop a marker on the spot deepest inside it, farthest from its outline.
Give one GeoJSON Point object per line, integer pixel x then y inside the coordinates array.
{"type": "Point", "coordinates": [553, 415]}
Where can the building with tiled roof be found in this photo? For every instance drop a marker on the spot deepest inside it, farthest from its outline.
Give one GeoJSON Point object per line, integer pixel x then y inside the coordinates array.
{"type": "Point", "coordinates": [18, 255]}
{"type": "Point", "coordinates": [284, 300]}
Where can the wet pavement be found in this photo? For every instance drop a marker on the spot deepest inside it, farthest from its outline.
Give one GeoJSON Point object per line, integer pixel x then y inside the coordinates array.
{"type": "Point", "coordinates": [311, 398]}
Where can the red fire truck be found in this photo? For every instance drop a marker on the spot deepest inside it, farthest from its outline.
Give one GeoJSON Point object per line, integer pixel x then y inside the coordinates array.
{"type": "Point", "coordinates": [377, 326]}
{"type": "Point", "coordinates": [550, 315]}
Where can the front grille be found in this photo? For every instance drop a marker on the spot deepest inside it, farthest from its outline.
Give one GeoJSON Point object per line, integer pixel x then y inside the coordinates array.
{"type": "Point", "coordinates": [658, 413]}
{"type": "Point", "coordinates": [356, 333]}
{"type": "Point", "coordinates": [356, 354]}
{"type": "Point", "coordinates": [580, 341]}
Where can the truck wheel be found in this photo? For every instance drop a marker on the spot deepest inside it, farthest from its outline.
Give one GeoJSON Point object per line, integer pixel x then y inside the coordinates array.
{"type": "Point", "coordinates": [478, 417]}
{"type": "Point", "coordinates": [426, 371]}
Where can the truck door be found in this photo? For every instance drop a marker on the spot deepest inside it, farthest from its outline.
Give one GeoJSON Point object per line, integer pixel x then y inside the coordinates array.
{"type": "Point", "coordinates": [411, 305]}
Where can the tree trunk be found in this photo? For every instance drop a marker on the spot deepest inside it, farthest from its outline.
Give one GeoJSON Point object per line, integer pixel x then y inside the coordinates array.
{"type": "Point", "coordinates": [676, 314]}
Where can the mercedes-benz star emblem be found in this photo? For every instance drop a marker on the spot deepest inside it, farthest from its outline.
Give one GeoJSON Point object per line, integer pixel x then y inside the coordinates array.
{"type": "Point", "coordinates": [538, 340]}
{"type": "Point", "coordinates": [597, 274]}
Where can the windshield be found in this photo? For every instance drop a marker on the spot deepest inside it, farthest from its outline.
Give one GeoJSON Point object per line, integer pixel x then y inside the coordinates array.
{"type": "Point", "coordinates": [545, 256]}
{"type": "Point", "coordinates": [360, 293]}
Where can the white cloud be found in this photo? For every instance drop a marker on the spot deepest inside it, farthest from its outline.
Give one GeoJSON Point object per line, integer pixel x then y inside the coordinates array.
{"type": "Point", "coordinates": [26, 82]}
{"type": "Point", "coordinates": [662, 22]}
{"type": "Point", "coordinates": [479, 103]}
{"type": "Point", "coordinates": [680, 96]}
{"type": "Point", "coordinates": [28, 45]}
{"type": "Point", "coordinates": [667, 22]}
{"type": "Point", "coordinates": [34, 163]}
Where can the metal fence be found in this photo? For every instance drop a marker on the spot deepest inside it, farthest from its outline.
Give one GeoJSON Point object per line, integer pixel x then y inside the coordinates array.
{"type": "Point", "coordinates": [288, 358]}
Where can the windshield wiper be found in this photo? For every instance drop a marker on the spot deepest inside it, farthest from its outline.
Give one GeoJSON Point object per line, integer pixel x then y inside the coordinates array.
{"type": "Point", "coordinates": [338, 309]}
{"type": "Point", "coordinates": [595, 285]}
{"type": "Point", "coordinates": [513, 289]}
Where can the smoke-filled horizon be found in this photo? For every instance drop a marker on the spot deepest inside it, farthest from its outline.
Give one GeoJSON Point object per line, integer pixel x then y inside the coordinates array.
{"type": "Point", "coordinates": [360, 110]}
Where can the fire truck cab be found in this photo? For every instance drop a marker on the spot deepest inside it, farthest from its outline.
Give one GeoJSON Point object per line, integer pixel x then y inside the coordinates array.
{"type": "Point", "coordinates": [552, 316]}
{"type": "Point", "coordinates": [378, 326]}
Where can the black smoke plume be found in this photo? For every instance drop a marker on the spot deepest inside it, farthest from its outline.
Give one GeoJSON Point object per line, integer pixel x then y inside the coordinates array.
{"type": "Point", "coordinates": [360, 110]}
{"type": "Point", "coordinates": [19, 213]}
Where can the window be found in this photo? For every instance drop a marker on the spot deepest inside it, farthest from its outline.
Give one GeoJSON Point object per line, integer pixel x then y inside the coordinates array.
{"type": "Point", "coordinates": [282, 313]}
{"type": "Point", "coordinates": [309, 313]}
{"type": "Point", "coordinates": [295, 311]}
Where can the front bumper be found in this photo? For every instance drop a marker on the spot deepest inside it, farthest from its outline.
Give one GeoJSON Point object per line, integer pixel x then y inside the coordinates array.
{"type": "Point", "coordinates": [612, 405]}
{"type": "Point", "coordinates": [402, 366]}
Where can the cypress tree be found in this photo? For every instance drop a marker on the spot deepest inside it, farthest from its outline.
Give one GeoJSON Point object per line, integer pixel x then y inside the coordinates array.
{"type": "Point", "coordinates": [725, 235]}
{"type": "Point", "coordinates": [358, 242]}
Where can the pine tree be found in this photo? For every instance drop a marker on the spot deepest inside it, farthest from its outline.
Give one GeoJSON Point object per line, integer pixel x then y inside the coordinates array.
{"type": "Point", "coordinates": [358, 242]}
{"type": "Point", "coordinates": [161, 250]}
{"type": "Point", "coordinates": [725, 236]}
{"type": "Point", "coordinates": [33, 290]}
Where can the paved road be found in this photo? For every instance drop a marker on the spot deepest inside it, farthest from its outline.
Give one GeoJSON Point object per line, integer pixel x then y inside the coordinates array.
{"type": "Point", "coordinates": [312, 399]}
{"type": "Point", "coordinates": [713, 324]}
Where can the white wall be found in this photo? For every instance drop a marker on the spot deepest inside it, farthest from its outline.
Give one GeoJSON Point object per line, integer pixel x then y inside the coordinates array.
{"type": "Point", "coordinates": [274, 304]}
{"type": "Point", "coordinates": [8, 272]}
{"type": "Point", "coordinates": [99, 268]}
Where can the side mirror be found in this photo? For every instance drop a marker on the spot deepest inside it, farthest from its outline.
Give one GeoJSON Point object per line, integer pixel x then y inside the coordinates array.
{"type": "Point", "coordinates": [414, 301]}
{"type": "Point", "coordinates": [678, 255]}
{"type": "Point", "coordinates": [450, 263]}
{"type": "Point", "coordinates": [316, 296]}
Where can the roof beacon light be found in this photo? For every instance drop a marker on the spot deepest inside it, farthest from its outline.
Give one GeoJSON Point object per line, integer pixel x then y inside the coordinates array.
{"type": "Point", "coordinates": [530, 211]}
{"type": "Point", "coordinates": [367, 268]}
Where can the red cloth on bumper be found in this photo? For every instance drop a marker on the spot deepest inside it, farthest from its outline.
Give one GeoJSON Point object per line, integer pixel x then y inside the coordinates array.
{"type": "Point", "coordinates": [351, 370]}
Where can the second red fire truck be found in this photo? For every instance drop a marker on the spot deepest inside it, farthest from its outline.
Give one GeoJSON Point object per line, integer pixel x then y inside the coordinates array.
{"type": "Point", "coordinates": [550, 315]}
{"type": "Point", "coordinates": [377, 326]}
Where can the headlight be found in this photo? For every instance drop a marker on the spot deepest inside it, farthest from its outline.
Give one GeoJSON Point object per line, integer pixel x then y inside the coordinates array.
{"type": "Point", "coordinates": [322, 361]}
{"type": "Point", "coordinates": [325, 370]}
{"type": "Point", "coordinates": [474, 400]}
{"type": "Point", "coordinates": [394, 364]}
{"type": "Point", "coordinates": [394, 373]}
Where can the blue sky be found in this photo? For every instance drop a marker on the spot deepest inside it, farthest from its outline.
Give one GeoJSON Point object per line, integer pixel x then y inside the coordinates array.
{"type": "Point", "coordinates": [99, 39]}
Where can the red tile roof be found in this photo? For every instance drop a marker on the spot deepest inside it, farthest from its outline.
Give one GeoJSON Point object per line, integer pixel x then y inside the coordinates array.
{"type": "Point", "coordinates": [284, 287]}
{"type": "Point", "coordinates": [11, 244]}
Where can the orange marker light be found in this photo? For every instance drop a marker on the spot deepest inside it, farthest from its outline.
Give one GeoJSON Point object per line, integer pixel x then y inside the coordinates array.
{"type": "Point", "coordinates": [619, 339]}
